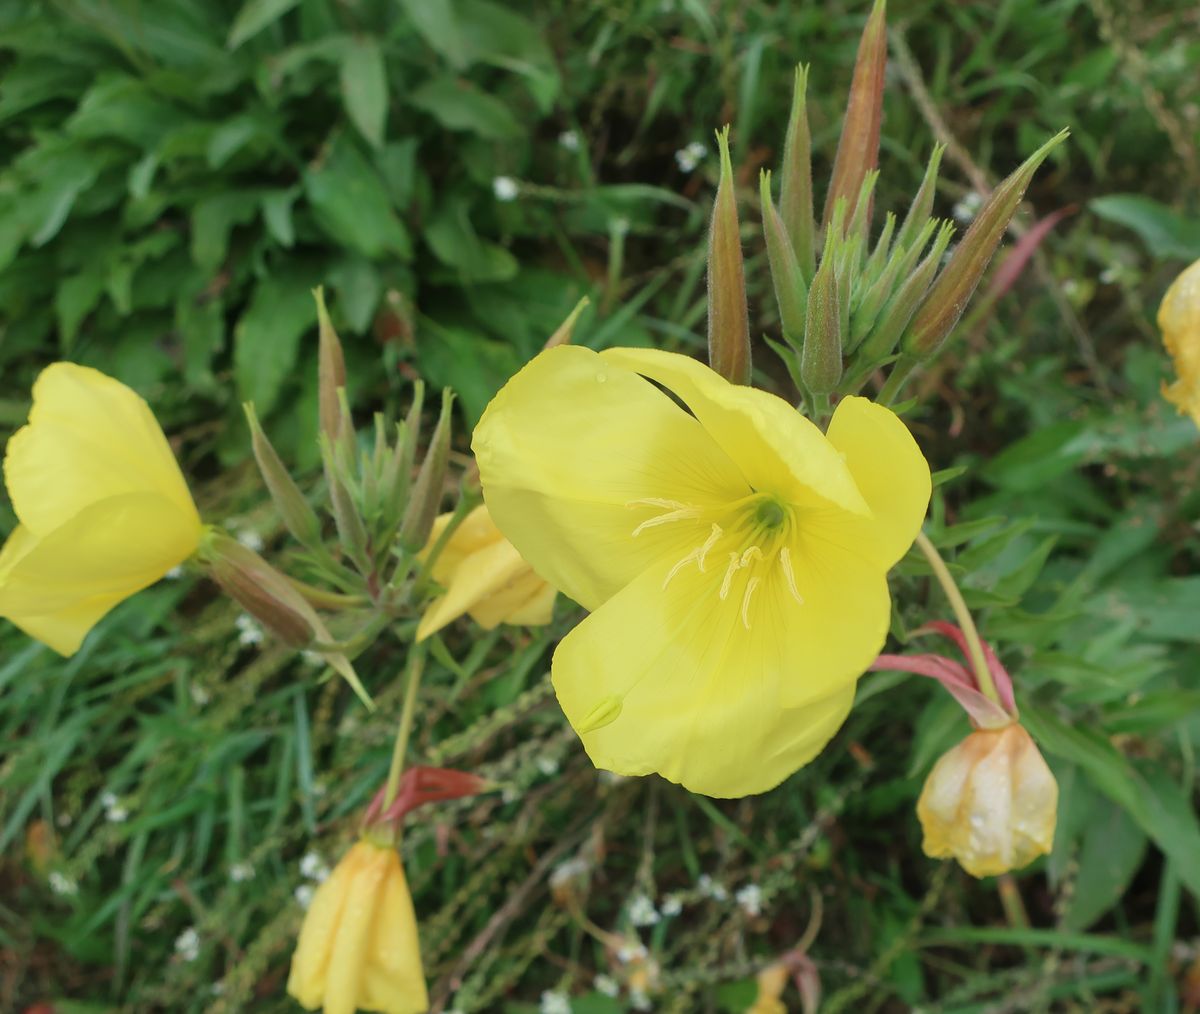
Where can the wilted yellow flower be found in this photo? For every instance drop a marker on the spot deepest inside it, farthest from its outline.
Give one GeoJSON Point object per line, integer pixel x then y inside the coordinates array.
{"type": "Point", "coordinates": [102, 506]}
{"type": "Point", "coordinates": [772, 981]}
{"type": "Point", "coordinates": [358, 947]}
{"type": "Point", "coordinates": [1179, 321]}
{"type": "Point", "coordinates": [485, 576]}
{"type": "Point", "coordinates": [734, 557]}
{"type": "Point", "coordinates": [991, 803]}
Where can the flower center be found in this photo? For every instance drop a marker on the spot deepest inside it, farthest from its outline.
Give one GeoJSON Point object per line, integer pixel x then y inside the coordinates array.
{"type": "Point", "coordinates": [753, 534]}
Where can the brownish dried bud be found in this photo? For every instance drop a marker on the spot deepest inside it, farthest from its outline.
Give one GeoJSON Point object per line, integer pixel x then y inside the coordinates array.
{"type": "Point", "coordinates": [331, 370]}
{"type": "Point", "coordinates": [728, 314]}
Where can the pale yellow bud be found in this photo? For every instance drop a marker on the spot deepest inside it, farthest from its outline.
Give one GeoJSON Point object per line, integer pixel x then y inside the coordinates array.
{"type": "Point", "coordinates": [991, 803]}
{"type": "Point", "coordinates": [1179, 320]}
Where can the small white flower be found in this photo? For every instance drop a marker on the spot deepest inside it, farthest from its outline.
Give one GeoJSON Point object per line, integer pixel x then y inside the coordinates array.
{"type": "Point", "coordinates": [505, 188]}
{"type": "Point", "coordinates": [634, 951]}
{"type": "Point", "coordinates": [241, 872]}
{"type": "Point", "coordinates": [607, 985]}
{"type": "Point", "coordinates": [249, 632]}
{"type": "Point", "coordinates": [547, 765]}
{"type": "Point", "coordinates": [555, 1003]}
{"type": "Point", "coordinates": [313, 867]}
{"type": "Point", "coordinates": [200, 695]}
{"type": "Point", "coordinates": [116, 814]}
{"type": "Point", "coordinates": [750, 899]}
{"type": "Point", "coordinates": [304, 895]}
{"type": "Point", "coordinates": [108, 799]}
{"type": "Point", "coordinates": [688, 158]}
{"type": "Point", "coordinates": [642, 911]}
{"type": "Point", "coordinates": [175, 573]}
{"type": "Point", "coordinates": [569, 139]}
{"type": "Point", "coordinates": [60, 883]}
{"type": "Point", "coordinates": [966, 209]}
{"type": "Point", "coordinates": [638, 1000]}
{"type": "Point", "coordinates": [187, 944]}
{"type": "Point", "coordinates": [572, 869]}
{"type": "Point", "coordinates": [710, 888]}
{"type": "Point", "coordinates": [251, 540]}
{"type": "Point", "coordinates": [1108, 276]}
{"type": "Point", "coordinates": [671, 906]}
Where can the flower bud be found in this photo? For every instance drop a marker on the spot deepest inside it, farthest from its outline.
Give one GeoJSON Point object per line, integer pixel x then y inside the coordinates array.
{"type": "Point", "coordinates": [796, 196]}
{"type": "Point", "coordinates": [858, 147]}
{"type": "Point", "coordinates": [956, 284]}
{"type": "Point", "coordinates": [298, 515]}
{"type": "Point", "coordinates": [359, 946]}
{"type": "Point", "coordinates": [728, 314]}
{"type": "Point", "coordinates": [991, 802]}
{"type": "Point", "coordinates": [564, 331]}
{"type": "Point", "coordinates": [426, 494]}
{"type": "Point", "coordinates": [1179, 321]}
{"type": "Point", "coordinates": [922, 205]}
{"type": "Point", "coordinates": [821, 358]}
{"type": "Point", "coordinates": [791, 292]}
{"type": "Point", "coordinates": [331, 370]}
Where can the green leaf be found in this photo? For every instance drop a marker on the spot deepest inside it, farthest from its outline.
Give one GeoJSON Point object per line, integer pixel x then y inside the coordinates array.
{"type": "Point", "coordinates": [1113, 849]}
{"type": "Point", "coordinates": [75, 298]}
{"type": "Point", "coordinates": [1164, 230]}
{"type": "Point", "coordinates": [352, 204]}
{"type": "Point", "coordinates": [277, 213]}
{"type": "Point", "coordinates": [213, 219]}
{"type": "Point", "coordinates": [460, 105]}
{"type": "Point", "coordinates": [364, 88]}
{"type": "Point", "coordinates": [436, 21]}
{"type": "Point", "coordinates": [267, 338]}
{"type": "Point", "coordinates": [254, 16]}
{"type": "Point", "coordinates": [454, 239]}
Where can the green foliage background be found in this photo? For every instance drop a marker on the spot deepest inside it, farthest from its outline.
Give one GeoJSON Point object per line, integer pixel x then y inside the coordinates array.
{"type": "Point", "coordinates": [176, 177]}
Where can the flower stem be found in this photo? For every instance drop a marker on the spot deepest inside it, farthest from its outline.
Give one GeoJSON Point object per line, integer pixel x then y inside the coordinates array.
{"type": "Point", "coordinates": [895, 381]}
{"type": "Point", "coordinates": [983, 675]}
{"type": "Point", "coordinates": [416, 665]}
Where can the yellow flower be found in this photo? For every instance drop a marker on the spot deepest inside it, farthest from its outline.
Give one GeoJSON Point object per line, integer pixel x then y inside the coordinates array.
{"type": "Point", "coordinates": [485, 576]}
{"type": "Point", "coordinates": [102, 506]}
{"type": "Point", "coordinates": [734, 558]}
{"type": "Point", "coordinates": [990, 802]}
{"type": "Point", "coordinates": [358, 946]}
{"type": "Point", "coordinates": [1179, 321]}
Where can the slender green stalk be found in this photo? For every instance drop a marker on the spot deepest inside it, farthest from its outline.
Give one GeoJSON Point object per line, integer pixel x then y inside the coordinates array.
{"type": "Point", "coordinates": [416, 665]}
{"type": "Point", "coordinates": [974, 646]}
{"type": "Point", "coordinates": [896, 379]}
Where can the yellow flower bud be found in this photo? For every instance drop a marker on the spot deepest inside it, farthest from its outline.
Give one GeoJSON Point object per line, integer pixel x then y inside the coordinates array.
{"type": "Point", "coordinates": [1179, 321]}
{"type": "Point", "coordinates": [991, 803]}
{"type": "Point", "coordinates": [358, 947]}
{"type": "Point", "coordinates": [485, 576]}
{"type": "Point", "coordinates": [103, 508]}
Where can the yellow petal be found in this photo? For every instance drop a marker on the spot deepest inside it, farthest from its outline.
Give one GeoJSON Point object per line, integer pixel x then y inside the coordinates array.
{"type": "Point", "coordinates": [889, 470]}
{"type": "Point", "coordinates": [777, 449]}
{"type": "Point", "coordinates": [568, 445]}
{"type": "Point", "coordinates": [369, 870]}
{"type": "Point", "coordinates": [478, 576]}
{"type": "Point", "coordinates": [88, 438]}
{"type": "Point", "coordinates": [476, 531]}
{"type": "Point", "coordinates": [1179, 321]}
{"type": "Point", "coordinates": [529, 603]}
{"type": "Point", "coordinates": [672, 681]}
{"type": "Point", "coordinates": [310, 961]}
{"type": "Point", "coordinates": [393, 979]}
{"type": "Point", "coordinates": [58, 586]}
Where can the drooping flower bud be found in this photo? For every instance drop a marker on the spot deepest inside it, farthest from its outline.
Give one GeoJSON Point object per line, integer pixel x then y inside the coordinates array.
{"type": "Point", "coordinates": [956, 284]}
{"type": "Point", "coordinates": [858, 147]}
{"type": "Point", "coordinates": [728, 314]}
{"type": "Point", "coordinates": [359, 946]}
{"type": "Point", "coordinates": [297, 513]}
{"type": "Point", "coordinates": [991, 803]}
{"type": "Point", "coordinates": [1179, 321]}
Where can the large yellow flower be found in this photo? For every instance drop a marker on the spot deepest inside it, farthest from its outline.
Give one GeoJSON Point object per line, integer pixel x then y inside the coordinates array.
{"type": "Point", "coordinates": [358, 946]}
{"type": "Point", "coordinates": [103, 508]}
{"type": "Point", "coordinates": [485, 576]}
{"type": "Point", "coordinates": [1179, 321]}
{"type": "Point", "coordinates": [734, 558]}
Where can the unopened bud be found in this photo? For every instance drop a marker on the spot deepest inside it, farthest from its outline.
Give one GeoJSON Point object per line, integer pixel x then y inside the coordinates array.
{"type": "Point", "coordinates": [796, 195]}
{"type": "Point", "coordinates": [991, 802]}
{"type": "Point", "coordinates": [821, 358]}
{"type": "Point", "coordinates": [331, 370]}
{"type": "Point", "coordinates": [426, 496]}
{"type": "Point", "coordinates": [728, 314]}
{"type": "Point", "coordinates": [791, 292]}
{"type": "Point", "coordinates": [922, 205]}
{"type": "Point", "coordinates": [352, 532]}
{"type": "Point", "coordinates": [564, 331]}
{"type": "Point", "coordinates": [298, 515]}
{"type": "Point", "coordinates": [956, 284]}
{"type": "Point", "coordinates": [858, 147]}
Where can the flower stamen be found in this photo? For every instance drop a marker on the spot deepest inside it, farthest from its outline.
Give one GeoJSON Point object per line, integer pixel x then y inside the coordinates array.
{"type": "Point", "coordinates": [785, 561]}
{"type": "Point", "coordinates": [750, 586]}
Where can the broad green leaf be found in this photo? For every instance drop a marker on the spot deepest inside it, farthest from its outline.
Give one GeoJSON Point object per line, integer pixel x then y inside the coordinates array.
{"type": "Point", "coordinates": [125, 108]}
{"type": "Point", "coordinates": [1113, 849]}
{"type": "Point", "coordinates": [254, 16]}
{"type": "Point", "coordinates": [437, 22]}
{"type": "Point", "coordinates": [460, 105]}
{"type": "Point", "coordinates": [213, 219]}
{"type": "Point", "coordinates": [454, 239]}
{"type": "Point", "coordinates": [277, 213]}
{"type": "Point", "coordinates": [1164, 230]}
{"type": "Point", "coordinates": [75, 298]}
{"type": "Point", "coordinates": [352, 204]}
{"type": "Point", "coordinates": [267, 338]}
{"type": "Point", "coordinates": [364, 87]}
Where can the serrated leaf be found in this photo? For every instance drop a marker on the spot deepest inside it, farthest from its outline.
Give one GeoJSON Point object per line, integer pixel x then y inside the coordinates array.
{"type": "Point", "coordinates": [364, 87]}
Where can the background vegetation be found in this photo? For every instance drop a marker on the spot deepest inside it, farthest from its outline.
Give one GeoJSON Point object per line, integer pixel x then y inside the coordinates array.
{"type": "Point", "coordinates": [176, 177]}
